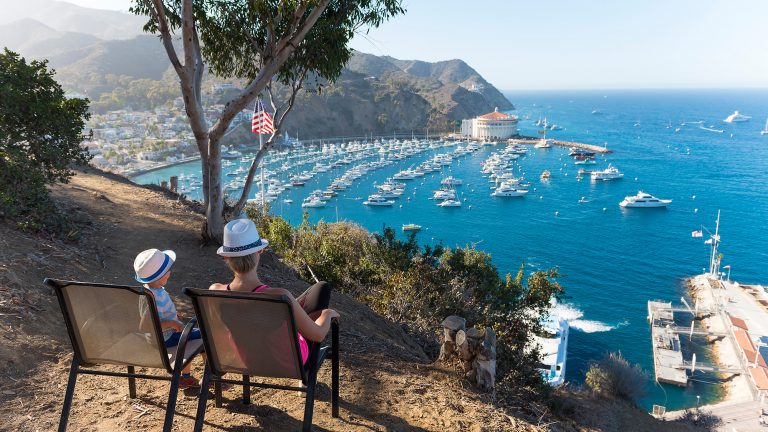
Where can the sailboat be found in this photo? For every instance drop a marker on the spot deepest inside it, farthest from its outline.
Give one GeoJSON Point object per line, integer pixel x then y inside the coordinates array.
{"type": "Point", "coordinates": [765, 128]}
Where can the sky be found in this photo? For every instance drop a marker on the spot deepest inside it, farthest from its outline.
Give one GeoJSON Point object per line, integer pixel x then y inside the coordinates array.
{"type": "Point", "coordinates": [586, 44]}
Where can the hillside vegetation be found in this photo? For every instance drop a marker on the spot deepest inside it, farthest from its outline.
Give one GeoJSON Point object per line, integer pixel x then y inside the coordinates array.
{"type": "Point", "coordinates": [388, 381]}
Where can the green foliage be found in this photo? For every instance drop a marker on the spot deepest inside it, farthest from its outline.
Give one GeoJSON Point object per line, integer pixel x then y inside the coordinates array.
{"type": "Point", "coordinates": [613, 376]}
{"type": "Point", "coordinates": [237, 35]}
{"type": "Point", "coordinates": [140, 94]}
{"type": "Point", "coordinates": [40, 135]}
{"type": "Point", "coordinates": [419, 286]}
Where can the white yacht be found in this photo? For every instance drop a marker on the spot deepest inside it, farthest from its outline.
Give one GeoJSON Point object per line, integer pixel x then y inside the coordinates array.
{"type": "Point", "coordinates": [643, 199]}
{"type": "Point", "coordinates": [444, 194]}
{"type": "Point", "coordinates": [411, 227]}
{"type": "Point", "coordinates": [765, 128]}
{"type": "Point", "coordinates": [610, 173]}
{"type": "Point", "coordinates": [450, 181]}
{"type": "Point", "coordinates": [378, 200]}
{"type": "Point", "coordinates": [554, 350]}
{"type": "Point", "coordinates": [737, 117]}
{"type": "Point", "coordinates": [543, 143]}
{"type": "Point", "coordinates": [313, 202]}
{"type": "Point", "coordinates": [507, 190]}
{"type": "Point", "coordinates": [450, 203]}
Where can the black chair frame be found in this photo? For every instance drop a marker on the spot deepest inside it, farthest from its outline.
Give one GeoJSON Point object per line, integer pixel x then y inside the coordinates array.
{"type": "Point", "coordinates": [78, 361]}
{"type": "Point", "coordinates": [309, 371]}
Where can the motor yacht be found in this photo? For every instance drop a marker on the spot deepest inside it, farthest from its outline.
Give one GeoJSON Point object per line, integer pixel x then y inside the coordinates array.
{"type": "Point", "coordinates": [411, 227]}
{"type": "Point", "coordinates": [444, 194]}
{"type": "Point", "coordinates": [507, 190]}
{"type": "Point", "coordinates": [378, 200]}
{"type": "Point", "coordinates": [610, 173]}
{"type": "Point", "coordinates": [643, 199]}
{"type": "Point", "coordinates": [313, 202]}
{"type": "Point", "coordinates": [450, 181]}
{"type": "Point", "coordinates": [450, 203]}
{"type": "Point", "coordinates": [554, 350]}
{"type": "Point", "coordinates": [545, 175]}
{"type": "Point", "coordinates": [737, 117]}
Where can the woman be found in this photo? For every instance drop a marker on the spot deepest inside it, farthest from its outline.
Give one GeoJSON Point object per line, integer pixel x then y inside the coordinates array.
{"type": "Point", "coordinates": [241, 250]}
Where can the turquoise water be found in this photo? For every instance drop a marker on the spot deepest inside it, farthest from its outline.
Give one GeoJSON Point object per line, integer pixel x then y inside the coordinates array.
{"type": "Point", "coordinates": [614, 260]}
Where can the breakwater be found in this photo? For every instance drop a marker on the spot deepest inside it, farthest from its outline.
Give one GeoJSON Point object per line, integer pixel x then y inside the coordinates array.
{"type": "Point", "coordinates": [526, 140]}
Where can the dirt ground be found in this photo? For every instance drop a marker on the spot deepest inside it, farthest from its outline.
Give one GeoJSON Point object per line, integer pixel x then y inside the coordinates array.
{"type": "Point", "coordinates": [387, 382]}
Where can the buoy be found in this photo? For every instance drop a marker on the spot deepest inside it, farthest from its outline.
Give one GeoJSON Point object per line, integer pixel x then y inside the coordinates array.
{"type": "Point", "coordinates": [604, 209]}
{"type": "Point", "coordinates": [695, 210]}
{"type": "Point", "coordinates": [557, 213]}
{"type": "Point", "coordinates": [534, 189]}
{"type": "Point", "coordinates": [541, 196]}
{"type": "Point", "coordinates": [470, 207]}
{"type": "Point", "coordinates": [401, 206]}
{"type": "Point", "coordinates": [693, 197]}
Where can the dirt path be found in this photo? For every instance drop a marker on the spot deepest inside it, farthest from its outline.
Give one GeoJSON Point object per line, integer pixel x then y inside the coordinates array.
{"type": "Point", "coordinates": [387, 383]}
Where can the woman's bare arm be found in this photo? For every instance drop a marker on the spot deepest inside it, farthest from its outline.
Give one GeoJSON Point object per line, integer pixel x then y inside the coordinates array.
{"type": "Point", "coordinates": [314, 330]}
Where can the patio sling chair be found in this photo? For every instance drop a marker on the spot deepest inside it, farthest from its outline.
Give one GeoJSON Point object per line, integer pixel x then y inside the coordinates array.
{"type": "Point", "coordinates": [103, 322]}
{"type": "Point", "coordinates": [254, 335]}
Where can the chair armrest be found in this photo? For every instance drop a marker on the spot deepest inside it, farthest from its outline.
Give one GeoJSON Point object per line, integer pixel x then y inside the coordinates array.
{"type": "Point", "coordinates": [182, 346]}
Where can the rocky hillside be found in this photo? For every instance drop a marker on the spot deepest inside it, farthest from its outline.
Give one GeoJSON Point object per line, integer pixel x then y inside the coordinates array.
{"type": "Point", "coordinates": [387, 382]}
{"type": "Point", "coordinates": [374, 94]}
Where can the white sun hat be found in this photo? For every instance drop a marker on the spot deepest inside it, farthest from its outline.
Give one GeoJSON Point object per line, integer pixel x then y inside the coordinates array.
{"type": "Point", "coordinates": [151, 264]}
{"type": "Point", "coordinates": [241, 238]}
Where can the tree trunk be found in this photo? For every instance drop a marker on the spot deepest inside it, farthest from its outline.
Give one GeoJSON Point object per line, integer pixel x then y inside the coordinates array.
{"type": "Point", "coordinates": [215, 210]}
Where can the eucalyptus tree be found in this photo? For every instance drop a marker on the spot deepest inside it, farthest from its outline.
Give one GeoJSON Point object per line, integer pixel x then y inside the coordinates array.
{"type": "Point", "coordinates": [263, 41]}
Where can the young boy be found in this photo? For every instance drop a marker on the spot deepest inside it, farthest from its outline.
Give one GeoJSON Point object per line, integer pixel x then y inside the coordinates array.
{"type": "Point", "coordinates": [153, 268]}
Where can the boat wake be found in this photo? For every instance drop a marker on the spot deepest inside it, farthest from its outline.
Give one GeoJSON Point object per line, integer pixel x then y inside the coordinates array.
{"type": "Point", "coordinates": [575, 316]}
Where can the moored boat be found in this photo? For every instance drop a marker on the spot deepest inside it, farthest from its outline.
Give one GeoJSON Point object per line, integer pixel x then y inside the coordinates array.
{"type": "Point", "coordinates": [644, 200]}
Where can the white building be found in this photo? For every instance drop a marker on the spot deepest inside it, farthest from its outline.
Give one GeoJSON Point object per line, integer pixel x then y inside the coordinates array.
{"type": "Point", "coordinates": [491, 126]}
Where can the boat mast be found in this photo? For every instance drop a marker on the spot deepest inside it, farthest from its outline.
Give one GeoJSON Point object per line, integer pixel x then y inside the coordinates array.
{"type": "Point", "coordinates": [715, 240]}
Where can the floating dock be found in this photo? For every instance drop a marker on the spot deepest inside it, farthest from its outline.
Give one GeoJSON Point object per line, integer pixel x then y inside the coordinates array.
{"type": "Point", "coordinates": [667, 355]}
{"type": "Point", "coordinates": [668, 363]}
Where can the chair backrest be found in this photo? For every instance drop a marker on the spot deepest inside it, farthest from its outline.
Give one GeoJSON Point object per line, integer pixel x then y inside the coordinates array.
{"type": "Point", "coordinates": [248, 333]}
{"type": "Point", "coordinates": [104, 324]}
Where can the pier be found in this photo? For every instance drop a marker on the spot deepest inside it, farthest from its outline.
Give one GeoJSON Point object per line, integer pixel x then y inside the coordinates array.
{"type": "Point", "coordinates": [669, 365]}
{"type": "Point", "coordinates": [667, 355]}
{"type": "Point", "coordinates": [570, 144]}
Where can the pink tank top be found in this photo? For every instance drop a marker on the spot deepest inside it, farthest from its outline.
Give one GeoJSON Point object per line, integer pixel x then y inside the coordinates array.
{"type": "Point", "coordinates": [303, 346]}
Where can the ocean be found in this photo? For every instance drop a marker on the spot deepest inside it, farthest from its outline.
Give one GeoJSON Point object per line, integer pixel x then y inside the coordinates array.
{"type": "Point", "coordinates": [613, 260]}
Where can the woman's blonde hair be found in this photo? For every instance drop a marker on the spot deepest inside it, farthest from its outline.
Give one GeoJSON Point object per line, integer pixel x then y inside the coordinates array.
{"type": "Point", "coordinates": [242, 264]}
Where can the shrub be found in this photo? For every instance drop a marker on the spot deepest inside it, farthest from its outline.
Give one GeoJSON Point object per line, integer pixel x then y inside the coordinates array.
{"type": "Point", "coordinates": [419, 286]}
{"type": "Point", "coordinates": [702, 419]}
{"type": "Point", "coordinates": [614, 377]}
{"type": "Point", "coordinates": [40, 135]}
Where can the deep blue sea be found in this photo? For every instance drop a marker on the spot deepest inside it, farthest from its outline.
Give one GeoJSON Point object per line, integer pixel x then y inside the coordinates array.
{"type": "Point", "coordinates": [613, 260]}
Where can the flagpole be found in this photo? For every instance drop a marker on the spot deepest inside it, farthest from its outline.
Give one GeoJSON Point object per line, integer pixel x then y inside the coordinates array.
{"type": "Point", "coordinates": [263, 201]}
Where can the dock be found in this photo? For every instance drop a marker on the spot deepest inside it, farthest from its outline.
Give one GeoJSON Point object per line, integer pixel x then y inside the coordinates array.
{"type": "Point", "coordinates": [524, 140]}
{"type": "Point", "coordinates": [668, 362]}
{"type": "Point", "coordinates": [667, 354]}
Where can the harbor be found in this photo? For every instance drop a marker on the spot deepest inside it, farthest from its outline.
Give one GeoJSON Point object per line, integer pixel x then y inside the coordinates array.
{"type": "Point", "coordinates": [553, 226]}
{"type": "Point", "coordinates": [733, 318]}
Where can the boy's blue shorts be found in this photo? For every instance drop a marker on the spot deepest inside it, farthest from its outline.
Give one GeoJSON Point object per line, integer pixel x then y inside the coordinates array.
{"type": "Point", "coordinates": [174, 339]}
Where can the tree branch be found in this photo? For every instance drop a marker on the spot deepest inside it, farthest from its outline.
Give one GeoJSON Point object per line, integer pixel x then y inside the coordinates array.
{"type": "Point", "coordinates": [157, 9]}
{"type": "Point", "coordinates": [278, 123]}
{"type": "Point", "coordinates": [289, 44]}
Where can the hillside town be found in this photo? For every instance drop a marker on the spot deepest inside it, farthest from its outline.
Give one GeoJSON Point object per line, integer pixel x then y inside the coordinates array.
{"type": "Point", "coordinates": [127, 141]}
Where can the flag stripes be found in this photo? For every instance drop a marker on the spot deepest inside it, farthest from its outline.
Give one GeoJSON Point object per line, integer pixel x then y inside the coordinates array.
{"type": "Point", "coordinates": [262, 121]}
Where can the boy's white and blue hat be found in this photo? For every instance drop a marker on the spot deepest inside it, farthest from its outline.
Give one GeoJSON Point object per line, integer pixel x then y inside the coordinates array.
{"type": "Point", "coordinates": [241, 238]}
{"type": "Point", "coordinates": [152, 264]}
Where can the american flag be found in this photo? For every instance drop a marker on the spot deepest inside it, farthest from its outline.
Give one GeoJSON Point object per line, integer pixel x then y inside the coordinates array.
{"type": "Point", "coordinates": [697, 234]}
{"type": "Point", "coordinates": [262, 121]}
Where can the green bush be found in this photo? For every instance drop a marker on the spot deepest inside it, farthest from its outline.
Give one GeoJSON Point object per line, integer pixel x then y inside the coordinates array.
{"type": "Point", "coordinates": [40, 136]}
{"type": "Point", "coordinates": [613, 376]}
{"type": "Point", "coordinates": [419, 286]}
